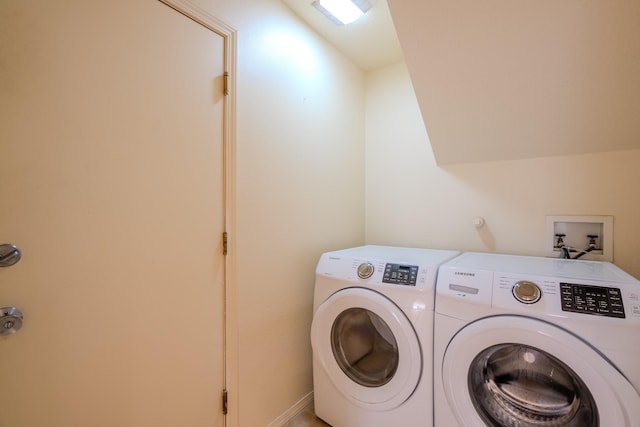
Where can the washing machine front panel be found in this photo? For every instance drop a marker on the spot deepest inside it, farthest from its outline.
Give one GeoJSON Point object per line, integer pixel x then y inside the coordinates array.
{"type": "Point", "coordinates": [518, 371]}
{"type": "Point", "coordinates": [368, 348]}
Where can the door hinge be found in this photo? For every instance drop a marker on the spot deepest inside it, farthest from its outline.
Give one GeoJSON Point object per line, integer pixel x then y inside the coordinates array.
{"type": "Point", "coordinates": [225, 245]}
{"type": "Point", "coordinates": [225, 79]}
{"type": "Point", "coordinates": [225, 401]}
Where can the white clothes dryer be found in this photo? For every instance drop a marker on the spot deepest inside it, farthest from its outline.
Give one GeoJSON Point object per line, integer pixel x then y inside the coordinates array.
{"type": "Point", "coordinates": [372, 336]}
{"type": "Point", "coordinates": [527, 341]}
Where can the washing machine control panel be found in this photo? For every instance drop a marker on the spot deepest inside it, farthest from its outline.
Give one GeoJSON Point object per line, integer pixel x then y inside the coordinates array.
{"type": "Point", "coordinates": [399, 274]}
{"type": "Point", "coordinates": [596, 300]}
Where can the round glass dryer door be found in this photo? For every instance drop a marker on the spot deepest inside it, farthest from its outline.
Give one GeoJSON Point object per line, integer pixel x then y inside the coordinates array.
{"type": "Point", "coordinates": [364, 347]}
{"type": "Point", "coordinates": [512, 371]}
{"type": "Point", "coordinates": [368, 348]}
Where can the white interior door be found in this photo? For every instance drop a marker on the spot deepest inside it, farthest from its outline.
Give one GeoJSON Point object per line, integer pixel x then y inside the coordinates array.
{"type": "Point", "coordinates": [111, 184]}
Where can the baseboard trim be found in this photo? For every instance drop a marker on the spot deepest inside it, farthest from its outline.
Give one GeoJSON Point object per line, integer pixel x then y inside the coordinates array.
{"type": "Point", "coordinates": [293, 411]}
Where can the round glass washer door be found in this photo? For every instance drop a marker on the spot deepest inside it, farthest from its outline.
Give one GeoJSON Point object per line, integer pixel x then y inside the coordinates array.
{"type": "Point", "coordinates": [368, 348]}
{"type": "Point", "coordinates": [522, 385]}
{"type": "Point", "coordinates": [513, 371]}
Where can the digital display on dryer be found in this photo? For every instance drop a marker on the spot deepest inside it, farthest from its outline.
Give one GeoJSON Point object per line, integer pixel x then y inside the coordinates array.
{"type": "Point", "coordinates": [400, 274]}
{"type": "Point", "coordinates": [595, 300]}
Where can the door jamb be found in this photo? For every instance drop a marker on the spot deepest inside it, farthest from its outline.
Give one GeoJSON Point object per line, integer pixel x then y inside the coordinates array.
{"type": "Point", "coordinates": [230, 341]}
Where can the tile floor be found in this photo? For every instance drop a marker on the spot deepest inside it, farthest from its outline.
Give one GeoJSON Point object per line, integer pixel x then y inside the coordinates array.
{"type": "Point", "coordinates": [306, 418]}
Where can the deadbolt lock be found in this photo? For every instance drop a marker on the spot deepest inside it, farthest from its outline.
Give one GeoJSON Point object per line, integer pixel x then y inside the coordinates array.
{"type": "Point", "coordinates": [10, 320]}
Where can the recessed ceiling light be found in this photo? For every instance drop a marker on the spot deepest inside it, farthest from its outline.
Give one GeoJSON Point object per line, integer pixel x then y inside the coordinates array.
{"type": "Point", "coordinates": [342, 11]}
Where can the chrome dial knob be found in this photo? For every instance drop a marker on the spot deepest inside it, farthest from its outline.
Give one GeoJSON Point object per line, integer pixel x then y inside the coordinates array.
{"type": "Point", "coordinates": [365, 270]}
{"type": "Point", "coordinates": [526, 292]}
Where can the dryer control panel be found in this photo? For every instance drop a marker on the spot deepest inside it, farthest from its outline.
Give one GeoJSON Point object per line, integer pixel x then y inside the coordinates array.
{"type": "Point", "coordinates": [399, 274]}
{"type": "Point", "coordinates": [597, 300]}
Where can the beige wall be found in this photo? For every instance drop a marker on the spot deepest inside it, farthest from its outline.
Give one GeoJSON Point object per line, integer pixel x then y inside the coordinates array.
{"type": "Point", "coordinates": [301, 189]}
{"type": "Point", "coordinates": [413, 202]}
{"type": "Point", "coordinates": [300, 192]}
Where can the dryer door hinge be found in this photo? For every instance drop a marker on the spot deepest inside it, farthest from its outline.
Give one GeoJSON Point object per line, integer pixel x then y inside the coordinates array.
{"type": "Point", "coordinates": [225, 401]}
{"type": "Point", "coordinates": [224, 243]}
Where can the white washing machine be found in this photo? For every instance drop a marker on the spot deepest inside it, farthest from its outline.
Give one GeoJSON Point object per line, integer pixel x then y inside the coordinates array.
{"type": "Point", "coordinates": [372, 336]}
{"type": "Point", "coordinates": [527, 341]}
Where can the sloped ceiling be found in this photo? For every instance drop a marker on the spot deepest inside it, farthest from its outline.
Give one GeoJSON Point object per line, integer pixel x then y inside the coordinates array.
{"type": "Point", "coordinates": [498, 79]}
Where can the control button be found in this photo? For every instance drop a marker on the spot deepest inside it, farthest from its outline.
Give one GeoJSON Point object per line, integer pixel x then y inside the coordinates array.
{"type": "Point", "coordinates": [365, 270]}
{"type": "Point", "coordinates": [526, 292]}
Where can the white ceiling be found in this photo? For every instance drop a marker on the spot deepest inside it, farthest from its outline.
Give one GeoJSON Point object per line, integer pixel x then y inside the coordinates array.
{"type": "Point", "coordinates": [371, 42]}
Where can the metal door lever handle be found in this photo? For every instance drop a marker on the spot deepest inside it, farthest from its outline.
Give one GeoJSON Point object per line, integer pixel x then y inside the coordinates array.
{"type": "Point", "coordinates": [9, 255]}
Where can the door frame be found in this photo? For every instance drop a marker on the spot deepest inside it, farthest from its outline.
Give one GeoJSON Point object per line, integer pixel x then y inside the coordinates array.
{"type": "Point", "coordinates": [230, 340]}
